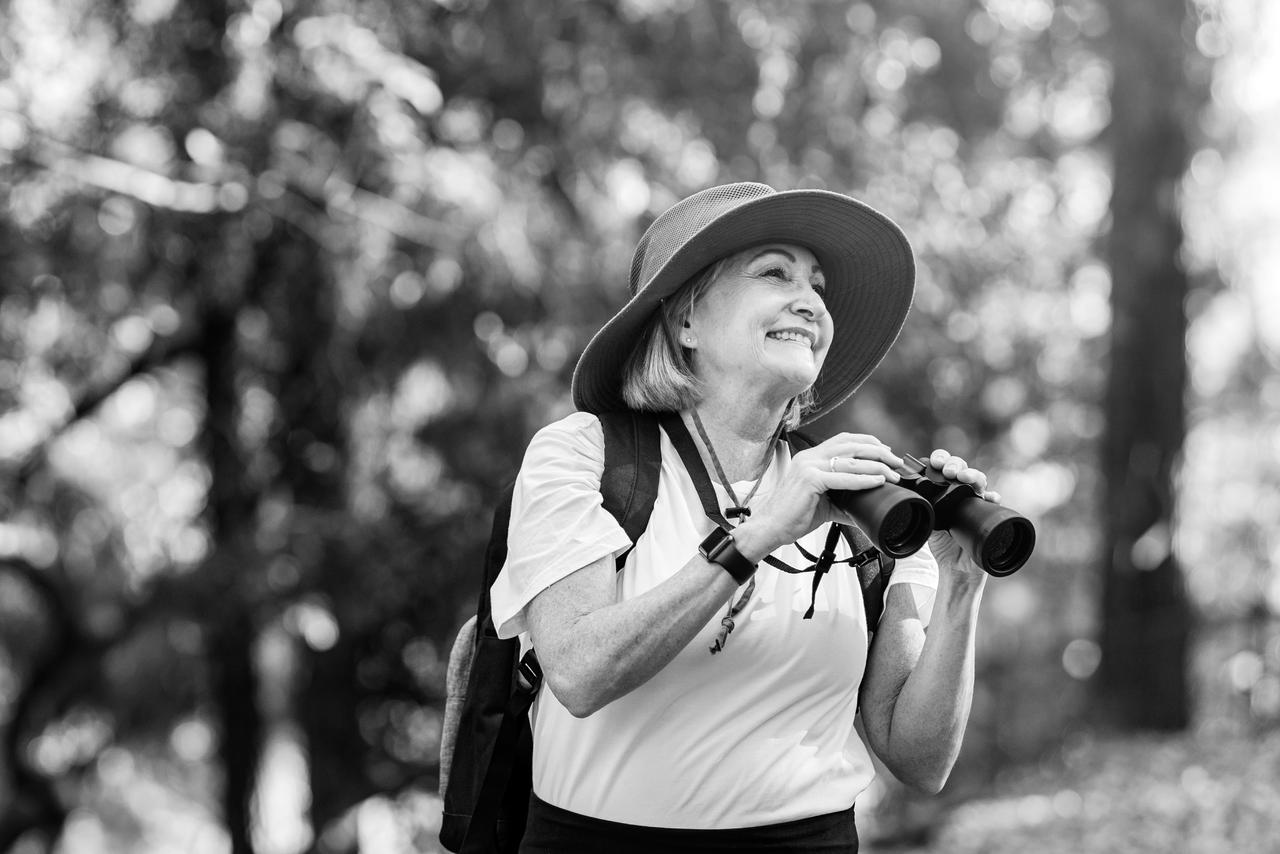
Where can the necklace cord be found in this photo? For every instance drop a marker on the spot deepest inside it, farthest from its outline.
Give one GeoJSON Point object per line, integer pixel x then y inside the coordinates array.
{"type": "Point", "coordinates": [684, 445]}
{"type": "Point", "coordinates": [738, 510]}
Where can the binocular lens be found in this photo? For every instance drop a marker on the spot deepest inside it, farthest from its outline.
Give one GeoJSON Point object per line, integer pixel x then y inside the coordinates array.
{"type": "Point", "coordinates": [901, 527]}
{"type": "Point", "coordinates": [897, 520]}
{"type": "Point", "coordinates": [1007, 546]}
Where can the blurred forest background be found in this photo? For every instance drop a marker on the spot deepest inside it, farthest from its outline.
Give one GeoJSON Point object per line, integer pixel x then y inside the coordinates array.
{"type": "Point", "coordinates": [288, 284]}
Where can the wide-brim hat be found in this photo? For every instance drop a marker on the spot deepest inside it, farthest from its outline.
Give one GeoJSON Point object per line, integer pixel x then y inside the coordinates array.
{"type": "Point", "coordinates": [866, 262]}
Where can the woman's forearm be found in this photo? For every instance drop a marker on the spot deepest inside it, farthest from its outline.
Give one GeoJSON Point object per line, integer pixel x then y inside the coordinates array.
{"type": "Point", "coordinates": [932, 709]}
{"type": "Point", "coordinates": [594, 649]}
{"type": "Point", "coordinates": [604, 654]}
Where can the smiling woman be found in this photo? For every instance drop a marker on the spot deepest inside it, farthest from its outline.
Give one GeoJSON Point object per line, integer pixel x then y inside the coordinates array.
{"type": "Point", "coordinates": [762, 330]}
{"type": "Point", "coordinates": [663, 372]}
{"type": "Point", "coordinates": [699, 691]}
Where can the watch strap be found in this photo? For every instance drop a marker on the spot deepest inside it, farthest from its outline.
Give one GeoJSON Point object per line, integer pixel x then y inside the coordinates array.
{"type": "Point", "coordinates": [719, 548]}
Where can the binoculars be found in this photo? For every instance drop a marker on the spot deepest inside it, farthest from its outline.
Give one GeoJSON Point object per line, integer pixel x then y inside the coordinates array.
{"type": "Point", "coordinates": [898, 517]}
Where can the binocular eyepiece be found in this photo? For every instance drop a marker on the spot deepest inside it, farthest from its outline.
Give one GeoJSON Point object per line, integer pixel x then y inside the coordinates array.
{"type": "Point", "coordinates": [899, 517]}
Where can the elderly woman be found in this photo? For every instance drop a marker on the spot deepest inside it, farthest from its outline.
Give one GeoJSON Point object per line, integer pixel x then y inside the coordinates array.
{"type": "Point", "coordinates": [753, 312]}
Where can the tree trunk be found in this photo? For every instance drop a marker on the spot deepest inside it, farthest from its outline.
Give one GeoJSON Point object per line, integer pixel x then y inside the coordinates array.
{"type": "Point", "coordinates": [312, 449]}
{"type": "Point", "coordinates": [1142, 683]}
{"type": "Point", "coordinates": [231, 626]}
{"type": "Point", "coordinates": [235, 690]}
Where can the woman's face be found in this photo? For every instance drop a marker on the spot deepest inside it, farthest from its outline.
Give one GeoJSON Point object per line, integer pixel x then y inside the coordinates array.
{"type": "Point", "coordinates": [762, 321]}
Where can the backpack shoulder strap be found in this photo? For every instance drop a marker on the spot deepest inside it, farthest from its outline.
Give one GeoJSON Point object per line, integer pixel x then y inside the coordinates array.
{"type": "Point", "coordinates": [688, 451]}
{"type": "Point", "coordinates": [873, 567]}
{"type": "Point", "coordinates": [632, 466]}
{"type": "Point", "coordinates": [495, 555]}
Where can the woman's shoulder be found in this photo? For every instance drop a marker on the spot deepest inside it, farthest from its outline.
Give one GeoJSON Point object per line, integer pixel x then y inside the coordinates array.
{"type": "Point", "coordinates": [577, 436]}
{"type": "Point", "coordinates": [575, 424]}
{"type": "Point", "coordinates": [576, 427]}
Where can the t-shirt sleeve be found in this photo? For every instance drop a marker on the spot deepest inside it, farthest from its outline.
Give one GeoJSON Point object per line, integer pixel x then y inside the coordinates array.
{"type": "Point", "coordinates": [558, 521]}
{"type": "Point", "coordinates": [920, 570]}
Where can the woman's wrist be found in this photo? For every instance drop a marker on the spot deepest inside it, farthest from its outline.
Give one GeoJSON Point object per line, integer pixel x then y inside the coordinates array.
{"type": "Point", "coordinates": [754, 541]}
{"type": "Point", "coordinates": [960, 588]}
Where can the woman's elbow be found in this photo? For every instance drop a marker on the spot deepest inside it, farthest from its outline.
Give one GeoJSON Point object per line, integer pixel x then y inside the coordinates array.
{"type": "Point", "coordinates": [928, 778]}
{"type": "Point", "coordinates": [580, 695]}
{"type": "Point", "coordinates": [927, 783]}
{"type": "Point", "coordinates": [579, 705]}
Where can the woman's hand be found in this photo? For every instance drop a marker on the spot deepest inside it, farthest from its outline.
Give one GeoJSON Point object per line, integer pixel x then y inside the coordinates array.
{"type": "Point", "coordinates": [798, 505]}
{"type": "Point", "coordinates": [944, 546]}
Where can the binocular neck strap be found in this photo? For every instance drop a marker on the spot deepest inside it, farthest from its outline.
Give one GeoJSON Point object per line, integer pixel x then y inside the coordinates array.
{"type": "Point", "coordinates": [680, 437]}
{"type": "Point", "coordinates": [821, 565]}
{"type": "Point", "coordinates": [683, 442]}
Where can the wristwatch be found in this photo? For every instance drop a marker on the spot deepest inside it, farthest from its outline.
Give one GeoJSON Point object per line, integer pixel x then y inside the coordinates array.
{"type": "Point", "coordinates": [719, 548]}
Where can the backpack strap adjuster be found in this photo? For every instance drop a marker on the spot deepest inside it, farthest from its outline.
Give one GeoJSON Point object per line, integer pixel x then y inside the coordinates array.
{"type": "Point", "coordinates": [529, 673]}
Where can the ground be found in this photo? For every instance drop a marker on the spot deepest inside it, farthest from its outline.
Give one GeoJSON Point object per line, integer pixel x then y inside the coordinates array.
{"type": "Point", "coordinates": [1189, 794]}
{"type": "Point", "coordinates": [1178, 794]}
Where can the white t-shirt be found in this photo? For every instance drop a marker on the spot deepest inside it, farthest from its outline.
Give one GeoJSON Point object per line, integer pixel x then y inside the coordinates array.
{"type": "Point", "coordinates": [759, 733]}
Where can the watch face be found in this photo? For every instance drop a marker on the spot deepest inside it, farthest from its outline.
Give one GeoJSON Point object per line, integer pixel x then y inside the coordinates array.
{"type": "Point", "coordinates": [714, 543]}
{"type": "Point", "coordinates": [719, 548]}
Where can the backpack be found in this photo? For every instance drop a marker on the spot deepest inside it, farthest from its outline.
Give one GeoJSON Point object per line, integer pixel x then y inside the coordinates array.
{"type": "Point", "coordinates": [486, 748]}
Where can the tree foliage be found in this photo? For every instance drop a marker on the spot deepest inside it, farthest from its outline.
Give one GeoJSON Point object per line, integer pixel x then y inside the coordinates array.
{"type": "Point", "coordinates": [289, 283]}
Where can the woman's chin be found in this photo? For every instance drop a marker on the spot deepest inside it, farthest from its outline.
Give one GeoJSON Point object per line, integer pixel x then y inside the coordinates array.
{"type": "Point", "coordinates": [799, 372]}
{"type": "Point", "coordinates": [794, 381]}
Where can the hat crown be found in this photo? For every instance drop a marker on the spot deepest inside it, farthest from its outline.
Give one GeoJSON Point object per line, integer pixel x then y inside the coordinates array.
{"type": "Point", "coordinates": [676, 226]}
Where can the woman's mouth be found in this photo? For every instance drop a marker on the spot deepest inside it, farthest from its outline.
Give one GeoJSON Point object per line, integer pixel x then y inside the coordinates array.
{"type": "Point", "coordinates": [797, 336]}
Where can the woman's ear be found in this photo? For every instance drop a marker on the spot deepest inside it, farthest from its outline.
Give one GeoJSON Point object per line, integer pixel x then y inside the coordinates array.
{"type": "Point", "coordinates": [687, 338]}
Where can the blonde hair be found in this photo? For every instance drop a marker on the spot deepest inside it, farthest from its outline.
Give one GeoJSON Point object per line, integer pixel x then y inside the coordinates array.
{"type": "Point", "coordinates": [658, 373]}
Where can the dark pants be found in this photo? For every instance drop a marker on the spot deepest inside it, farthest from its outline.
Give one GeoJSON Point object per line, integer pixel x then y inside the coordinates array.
{"type": "Point", "coordinates": [552, 830]}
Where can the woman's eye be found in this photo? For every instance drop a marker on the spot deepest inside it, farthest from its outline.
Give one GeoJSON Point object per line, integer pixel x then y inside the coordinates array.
{"type": "Point", "coordinates": [777, 273]}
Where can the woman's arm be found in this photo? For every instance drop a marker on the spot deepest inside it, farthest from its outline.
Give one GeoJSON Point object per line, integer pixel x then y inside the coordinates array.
{"type": "Point", "coordinates": [594, 648]}
{"type": "Point", "coordinates": [918, 687]}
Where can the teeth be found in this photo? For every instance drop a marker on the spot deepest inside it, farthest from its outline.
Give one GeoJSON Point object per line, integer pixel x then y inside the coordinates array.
{"type": "Point", "coordinates": [790, 336]}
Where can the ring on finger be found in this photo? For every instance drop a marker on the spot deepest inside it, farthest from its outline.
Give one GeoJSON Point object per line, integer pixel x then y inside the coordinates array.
{"type": "Point", "coordinates": [832, 465]}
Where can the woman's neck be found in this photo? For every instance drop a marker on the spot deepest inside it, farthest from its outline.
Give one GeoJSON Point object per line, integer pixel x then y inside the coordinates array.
{"type": "Point", "coordinates": [739, 435]}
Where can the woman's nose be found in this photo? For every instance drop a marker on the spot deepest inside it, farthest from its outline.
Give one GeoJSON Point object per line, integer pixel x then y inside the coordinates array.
{"type": "Point", "coordinates": [809, 306]}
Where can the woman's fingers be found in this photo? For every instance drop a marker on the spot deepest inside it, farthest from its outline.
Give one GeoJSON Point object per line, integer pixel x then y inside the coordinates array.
{"type": "Point", "coordinates": [950, 466]}
{"type": "Point", "coordinates": [858, 438]}
{"type": "Point", "coordinates": [973, 477]}
{"type": "Point", "coordinates": [957, 469]}
{"type": "Point", "coordinates": [856, 446]}
{"type": "Point", "coordinates": [862, 466]}
{"type": "Point", "coordinates": [852, 481]}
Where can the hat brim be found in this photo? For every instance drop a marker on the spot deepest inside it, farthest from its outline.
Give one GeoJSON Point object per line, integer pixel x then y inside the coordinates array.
{"type": "Point", "coordinates": [866, 261]}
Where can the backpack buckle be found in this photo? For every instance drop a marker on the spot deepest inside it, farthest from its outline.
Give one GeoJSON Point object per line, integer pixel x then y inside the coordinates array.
{"type": "Point", "coordinates": [864, 557]}
{"type": "Point", "coordinates": [529, 672]}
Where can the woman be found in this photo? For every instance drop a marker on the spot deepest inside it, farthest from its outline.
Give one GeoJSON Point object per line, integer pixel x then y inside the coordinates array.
{"type": "Point", "coordinates": [691, 706]}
